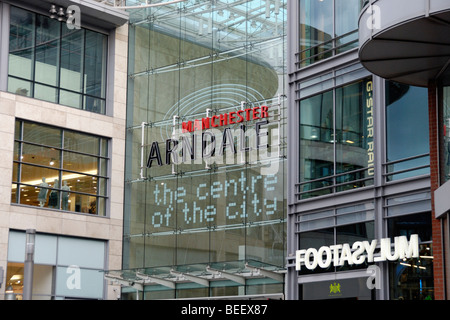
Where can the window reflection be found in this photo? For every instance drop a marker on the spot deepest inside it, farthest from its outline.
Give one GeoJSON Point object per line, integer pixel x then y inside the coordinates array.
{"type": "Point", "coordinates": [327, 27]}
{"type": "Point", "coordinates": [336, 140]}
{"type": "Point", "coordinates": [54, 178]}
{"type": "Point", "coordinates": [407, 131]}
{"type": "Point", "coordinates": [412, 279]}
{"type": "Point", "coordinates": [51, 62]}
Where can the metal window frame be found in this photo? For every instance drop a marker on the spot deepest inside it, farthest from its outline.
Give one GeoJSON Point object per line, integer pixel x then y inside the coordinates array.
{"type": "Point", "coordinates": [60, 170]}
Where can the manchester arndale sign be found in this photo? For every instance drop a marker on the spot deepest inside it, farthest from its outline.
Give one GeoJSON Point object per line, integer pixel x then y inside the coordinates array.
{"type": "Point", "coordinates": [203, 140]}
{"type": "Point", "coordinates": [358, 253]}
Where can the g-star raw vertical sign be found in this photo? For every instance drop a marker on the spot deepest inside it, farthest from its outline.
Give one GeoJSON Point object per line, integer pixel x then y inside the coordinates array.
{"type": "Point", "coordinates": [370, 133]}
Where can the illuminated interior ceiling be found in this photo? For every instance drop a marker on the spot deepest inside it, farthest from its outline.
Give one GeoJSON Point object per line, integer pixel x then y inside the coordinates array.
{"type": "Point", "coordinates": [229, 27]}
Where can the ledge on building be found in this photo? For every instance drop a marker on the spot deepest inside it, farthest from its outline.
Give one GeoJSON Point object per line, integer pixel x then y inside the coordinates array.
{"type": "Point", "coordinates": [93, 12]}
{"type": "Point", "coordinates": [406, 40]}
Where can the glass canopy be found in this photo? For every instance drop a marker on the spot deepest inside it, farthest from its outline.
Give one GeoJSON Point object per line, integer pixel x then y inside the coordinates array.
{"type": "Point", "coordinates": [230, 27]}
{"type": "Point", "coordinates": [238, 272]}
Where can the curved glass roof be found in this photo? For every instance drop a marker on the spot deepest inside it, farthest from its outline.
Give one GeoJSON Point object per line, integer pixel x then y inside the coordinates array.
{"type": "Point", "coordinates": [228, 27]}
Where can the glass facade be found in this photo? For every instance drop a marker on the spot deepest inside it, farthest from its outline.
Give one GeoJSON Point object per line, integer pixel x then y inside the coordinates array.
{"type": "Point", "coordinates": [213, 86]}
{"type": "Point", "coordinates": [337, 152]}
{"type": "Point", "coordinates": [60, 169]}
{"type": "Point", "coordinates": [411, 279]}
{"type": "Point", "coordinates": [49, 61]}
{"type": "Point", "coordinates": [407, 138]}
{"type": "Point", "coordinates": [360, 162]}
{"type": "Point", "coordinates": [327, 28]}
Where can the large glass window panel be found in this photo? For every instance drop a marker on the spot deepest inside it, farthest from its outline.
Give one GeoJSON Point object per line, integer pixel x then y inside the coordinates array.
{"type": "Point", "coordinates": [336, 140]}
{"type": "Point", "coordinates": [353, 145]}
{"type": "Point", "coordinates": [407, 132]}
{"type": "Point", "coordinates": [316, 142]}
{"type": "Point", "coordinates": [412, 279]}
{"type": "Point", "coordinates": [90, 285]}
{"type": "Point", "coordinates": [355, 232]}
{"type": "Point", "coordinates": [316, 118]}
{"type": "Point", "coordinates": [94, 104]}
{"type": "Point", "coordinates": [84, 253]}
{"type": "Point", "coordinates": [407, 225]}
{"type": "Point", "coordinates": [21, 43]}
{"type": "Point", "coordinates": [316, 239]}
{"type": "Point", "coordinates": [41, 134]}
{"type": "Point", "coordinates": [316, 30]}
{"type": "Point", "coordinates": [47, 50]}
{"type": "Point", "coordinates": [72, 45]}
{"type": "Point", "coordinates": [80, 183]}
{"type": "Point", "coordinates": [33, 175]}
{"type": "Point", "coordinates": [70, 99]}
{"type": "Point", "coordinates": [46, 93]}
{"type": "Point", "coordinates": [80, 162]}
{"type": "Point", "coordinates": [95, 64]}
{"type": "Point", "coordinates": [44, 156]}
{"type": "Point", "coordinates": [81, 203]}
{"type": "Point", "coordinates": [20, 87]}
{"type": "Point", "coordinates": [327, 27]}
{"type": "Point", "coordinates": [346, 20]}
{"type": "Point", "coordinates": [81, 142]}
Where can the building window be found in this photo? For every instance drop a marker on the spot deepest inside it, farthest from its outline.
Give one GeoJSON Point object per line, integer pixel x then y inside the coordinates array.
{"type": "Point", "coordinates": [336, 140]}
{"type": "Point", "coordinates": [407, 136]}
{"type": "Point", "coordinates": [51, 62]}
{"type": "Point", "coordinates": [64, 267]}
{"type": "Point", "coordinates": [60, 169]}
{"type": "Point", "coordinates": [327, 28]}
{"type": "Point", "coordinates": [411, 279]}
{"type": "Point", "coordinates": [336, 226]}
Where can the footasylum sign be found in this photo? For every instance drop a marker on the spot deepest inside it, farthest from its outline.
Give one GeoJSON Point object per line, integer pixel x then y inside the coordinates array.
{"type": "Point", "coordinates": [358, 253]}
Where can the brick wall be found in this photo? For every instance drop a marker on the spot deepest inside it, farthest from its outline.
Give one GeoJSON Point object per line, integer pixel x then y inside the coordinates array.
{"type": "Point", "coordinates": [439, 281]}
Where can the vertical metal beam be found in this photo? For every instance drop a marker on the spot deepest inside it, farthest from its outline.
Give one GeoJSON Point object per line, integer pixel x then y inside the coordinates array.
{"type": "Point", "coordinates": [29, 264]}
{"type": "Point", "coordinates": [291, 279]}
{"type": "Point", "coordinates": [4, 40]}
{"type": "Point", "coordinates": [143, 124]}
